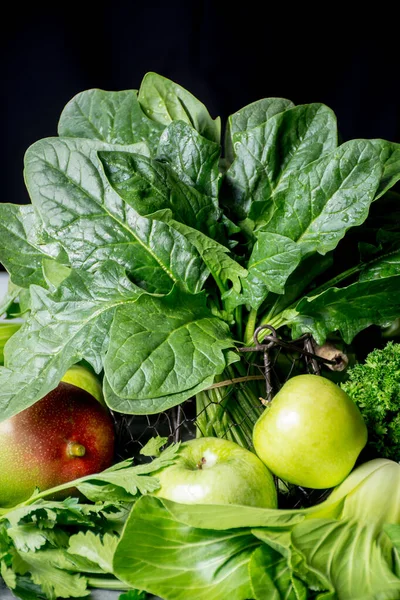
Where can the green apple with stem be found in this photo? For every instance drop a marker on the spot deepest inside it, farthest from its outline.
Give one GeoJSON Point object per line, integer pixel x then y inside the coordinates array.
{"type": "Point", "coordinates": [311, 433]}
{"type": "Point", "coordinates": [216, 471]}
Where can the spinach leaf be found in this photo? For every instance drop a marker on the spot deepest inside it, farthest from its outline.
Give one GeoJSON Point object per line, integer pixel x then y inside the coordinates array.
{"type": "Point", "coordinates": [24, 244]}
{"type": "Point", "coordinates": [155, 351]}
{"type": "Point", "coordinates": [269, 153]}
{"type": "Point", "coordinates": [336, 192]}
{"type": "Point", "coordinates": [194, 158]}
{"type": "Point", "coordinates": [165, 101]}
{"type": "Point", "coordinates": [54, 273]}
{"type": "Point", "coordinates": [256, 114]}
{"type": "Point", "coordinates": [113, 117]}
{"type": "Point", "coordinates": [386, 265]}
{"type": "Point", "coordinates": [149, 406]}
{"type": "Point", "coordinates": [273, 259]}
{"type": "Point", "coordinates": [154, 190]}
{"type": "Point", "coordinates": [390, 158]}
{"type": "Point", "coordinates": [13, 291]}
{"type": "Point", "coordinates": [321, 202]}
{"type": "Point", "coordinates": [252, 116]}
{"type": "Point", "coordinates": [301, 280]}
{"type": "Point", "coordinates": [71, 194]}
{"type": "Point", "coordinates": [347, 310]}
{"type": "Point", "coordinates": [218, 258]}
{"type": "Point", "coordinates": [63, 327]}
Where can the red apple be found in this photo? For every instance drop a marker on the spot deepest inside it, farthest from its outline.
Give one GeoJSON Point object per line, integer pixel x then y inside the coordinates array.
{"type": "Point", "coordinates": [65, 435]}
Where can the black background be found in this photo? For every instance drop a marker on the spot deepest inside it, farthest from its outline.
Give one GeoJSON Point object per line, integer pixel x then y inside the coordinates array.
{"type": "Point", "coordinates": [226, 54]}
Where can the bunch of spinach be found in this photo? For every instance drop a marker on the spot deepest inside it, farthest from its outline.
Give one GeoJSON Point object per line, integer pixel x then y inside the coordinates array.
{"type": "Point", "coordinates": [151, 257]}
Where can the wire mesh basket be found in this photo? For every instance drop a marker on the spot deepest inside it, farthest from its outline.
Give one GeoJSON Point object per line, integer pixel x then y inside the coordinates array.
{"type": "Point", "coordinates": [268, 364]}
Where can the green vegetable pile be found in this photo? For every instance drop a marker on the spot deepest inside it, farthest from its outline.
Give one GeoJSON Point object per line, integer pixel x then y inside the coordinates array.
{"type": "Point", "coordinates": [53, 549]}
{"type": "Point", "coordinates": [347, 548]}
{"type": "Point", "coordinates": [152, 253]}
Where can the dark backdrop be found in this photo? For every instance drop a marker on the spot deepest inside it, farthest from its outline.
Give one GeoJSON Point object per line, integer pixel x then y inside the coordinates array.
{"type": "Point", "coordinates": [227, 54]}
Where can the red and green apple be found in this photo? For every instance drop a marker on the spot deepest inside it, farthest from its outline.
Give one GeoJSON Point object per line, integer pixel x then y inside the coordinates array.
{"type": "Point", "coordinates": [65, 435]}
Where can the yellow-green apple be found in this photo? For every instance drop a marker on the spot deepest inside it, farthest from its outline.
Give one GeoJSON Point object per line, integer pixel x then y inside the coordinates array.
{"type": "Point", "coordinates": [85, 379]}
{"type": "Point", "coordinates": [311, 434]}
{"type": "Point", "coordinates": [65, 435]}
{"type": "Point", "coordinates": [216, 471]}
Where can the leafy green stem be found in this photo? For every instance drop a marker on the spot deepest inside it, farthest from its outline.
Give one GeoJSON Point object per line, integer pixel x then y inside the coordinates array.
{"type": "Point", "coordinates": [108, 584]}
{"type": "Point", "coordinates": [239, 321]}
{"type": "Point", "coordinates": [250, 327]}
{"type": "Point", "coordinates": [276, 320]}
{"type": "Point", "coordinates": [334, 281]}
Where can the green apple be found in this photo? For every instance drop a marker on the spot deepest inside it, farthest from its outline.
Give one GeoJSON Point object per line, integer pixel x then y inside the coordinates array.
{"type": "Point", "coordinates": [311, 434]}
{"type": "Point", "coordinates": [217, 471]}
{"type": "Point", "coordinates": [86, 380]}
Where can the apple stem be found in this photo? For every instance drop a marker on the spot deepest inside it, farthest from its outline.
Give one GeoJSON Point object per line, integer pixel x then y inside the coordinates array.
{"type": "Point", "coordinates": [201, 463]}
{"type": "Point", "coordinates": [75, 450]}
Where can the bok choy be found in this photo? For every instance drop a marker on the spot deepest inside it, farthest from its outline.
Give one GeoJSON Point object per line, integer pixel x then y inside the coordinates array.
{"type": "Point", "coordinates": [346, 548]}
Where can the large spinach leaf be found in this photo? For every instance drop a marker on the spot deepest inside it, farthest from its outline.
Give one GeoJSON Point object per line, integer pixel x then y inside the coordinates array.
{"type": "Point", "coordinates": [113, 117]}
{"type": "Point", "coordinates": [93, 224]}
{"type": "Point", "coordinates": [269, 153]}
{"type": "Point", "coordinates": [326, 198]}
{"type": "Point", "coordinates": [347, 310]}
{"type": "Point", "coordinates": [257, 113]}
{"type": "Point", "coordinates": [62, 328]}
{"type": "Point", "coordinates": [273, 259]}
{"type": "Point", "coordinates": [194, 158]}
{"type": "Point", "coordinates": [155, 352]}
{"type": "Point", "coordinates": [165, 101]}
{"type": "Point", "coordinates": [251, 116]}
{"type": "Point", "coordinates": [321, 202]}
{"type": "Point", "coordinates": [24, 244]}
{"type": "Point", "coordinates": [390, 158]}
{"type": "Point", "coordinates": [154, 190]}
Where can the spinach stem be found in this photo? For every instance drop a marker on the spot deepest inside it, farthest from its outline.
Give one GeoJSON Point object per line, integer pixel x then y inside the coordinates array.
{"type": "Point", "coordinates": [250, 327]}
{"type": "Point", "coordinates": [239, 322]}
{"type": "Point", "coordinates": [337, 279]}
{"type": "Point", "coordinates": [276, 322]}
